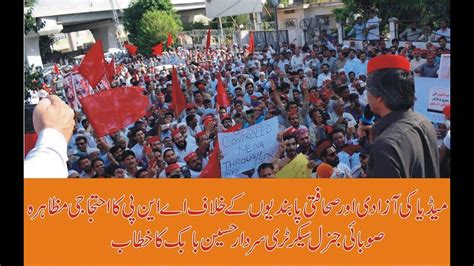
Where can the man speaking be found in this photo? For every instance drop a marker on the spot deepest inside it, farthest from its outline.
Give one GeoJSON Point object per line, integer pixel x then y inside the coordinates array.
{"type": "Point", "coordinates": [405, 143]}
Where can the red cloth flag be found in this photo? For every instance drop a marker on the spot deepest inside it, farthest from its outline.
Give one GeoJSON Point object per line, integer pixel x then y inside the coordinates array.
{"type": "Point", "coordinates": [237, 127]}
{"type": "Point", "coordinates": [213, 167]}
{"type": "Point", "coordinates": [111, 70]}
{"type": "Point", "coordinates": [111, 110]}
{"type": "Point", "coordinates": [158, 49]}
{"type": "Point", "coordinates": [169, 42]}
{"type": "Point", "coordinates": [132, 49]}
{"type": "Point", "coordinates": [208, 41]}
{"type": "Point", "coordinates": [178, 100]}
{"type": "Point", "coordinates": [56, 69]}
{"type": "Point", "coordinates": [222, 98]}
{"type": "Point", "coordinates": [92, 67]}
{"type": "Point", "coordinates": [251, 43]}
{"type": "Point", "coordinates": [314, 99]}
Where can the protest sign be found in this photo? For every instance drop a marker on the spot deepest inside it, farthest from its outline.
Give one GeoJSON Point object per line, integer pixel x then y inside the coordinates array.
{"type": "Point", "coordinates": [298, 167]}
{"type": "Point", "coordinates": [445, 67]}
{"type": "Point", "coordinates": [248, 148]}
{"type": "Point", "coordinates": [432, 95]}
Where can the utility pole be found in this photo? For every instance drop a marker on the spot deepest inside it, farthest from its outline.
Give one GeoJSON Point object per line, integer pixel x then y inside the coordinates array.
{"type": "Point", "coordinates": [117, 23]}
{"type": "Point", "coordinates": [275, 6]}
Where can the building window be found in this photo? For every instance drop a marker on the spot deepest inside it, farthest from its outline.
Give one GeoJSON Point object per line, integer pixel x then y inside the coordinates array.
{"type": "Point", "coordinates": [290, 23]}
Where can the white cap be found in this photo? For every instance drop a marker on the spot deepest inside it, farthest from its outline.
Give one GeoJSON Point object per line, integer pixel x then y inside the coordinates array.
{"type": "Point", "coordinates": [181, 124]}
{"type": "Point", "coordinates": [72, 172]}
{"type": "Point", "coordinates": [92, 150]}
{"type": "Point", "coordinates": [345, 46]}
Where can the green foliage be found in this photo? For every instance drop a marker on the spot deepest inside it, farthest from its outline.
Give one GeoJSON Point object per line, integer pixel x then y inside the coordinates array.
{"type": "Point", "coordinates": [154, 27]}
{"type": "Point", "coordinates": [137, 9]}
{"type": "Point", "coordinates": [33, 79]}
{"type": "Point", "coordinates": [30, 22]}
{"type": "Point", "coordinates": [45, 46]}
{"type": "Point", "coordinates": [423, 11]}
{"type": "Point", "coordinates": [194, 26]}
{"type": "Point", "coordinates": [230, 21]}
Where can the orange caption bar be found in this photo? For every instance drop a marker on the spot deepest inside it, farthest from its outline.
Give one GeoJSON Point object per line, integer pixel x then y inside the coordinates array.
{"type": "Point", "coordinates": [111, 221]}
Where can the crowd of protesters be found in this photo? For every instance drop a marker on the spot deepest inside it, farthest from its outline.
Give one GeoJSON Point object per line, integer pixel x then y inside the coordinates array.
{"type": "Point", "coordinates": [318, 93]}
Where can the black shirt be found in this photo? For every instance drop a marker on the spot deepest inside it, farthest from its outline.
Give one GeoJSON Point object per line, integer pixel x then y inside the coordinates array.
{"type": "Point", "coordinates": [405, 145]}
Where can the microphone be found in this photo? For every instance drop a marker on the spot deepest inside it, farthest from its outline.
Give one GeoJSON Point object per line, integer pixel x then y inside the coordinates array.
{"type": "Point", "coordinates": [368, 117]}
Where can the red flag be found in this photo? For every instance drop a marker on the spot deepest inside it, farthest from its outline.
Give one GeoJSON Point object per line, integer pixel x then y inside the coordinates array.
{"type": "Point", "coordinates": [237, 127]}
{"type": "Point", "coordinates": [208, 41]}
{"type": "Point", "coordinates": [314, 99]}
{"type": "Point", "coordinates": [213, 167]}
{"type": "Point", "coordinates": [222, 99]}
{"type": "Point", "coordinates": [111, 110]}
{"type": "Point", "coordinates": [111, 70]}
{"type": "Point", "coordinates": [169, 42]}
{"type": "Point", "coordinates": [30, 141]}
{"type": "Point", "coordinates": [158, 49]}
{"type": "Point", "coordinates": [92, 66]}
{"type": "Point", "coordinates": [251, 43]}
{"type": "Point", "coordinates": [178, 100]}
{"type": "Point", "coordinates": [56, 69]}
{"type": "Point", "coordinates": [132, 49]}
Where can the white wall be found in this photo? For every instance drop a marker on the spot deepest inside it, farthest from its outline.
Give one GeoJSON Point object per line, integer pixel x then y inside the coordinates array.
{"type": "Point", "coordinates": [32, 52]}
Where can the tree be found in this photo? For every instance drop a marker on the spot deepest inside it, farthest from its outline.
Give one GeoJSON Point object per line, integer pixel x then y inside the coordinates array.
{"type": "Point", "coordinates": [30, 21]}
{"type": "Point", "coordinates": [33, 79]}
{"type": "Point", "coordinates": [137, 9]}
{"type": "Point", "coordinates": [426, 11]}
{"type": "Point", "coordinates": [153, 28]}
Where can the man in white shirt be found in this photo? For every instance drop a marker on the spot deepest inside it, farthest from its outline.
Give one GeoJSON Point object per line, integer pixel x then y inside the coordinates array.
{"type": "Point", "coordinates": [139, 137]}
{"type": "Point", "coordinates": [417, 62]}
{"type": "Point", "coordinates": [357, 30]}
{"type": "Point", "coordinates": [373, 27]}
{"type": "Point", "coordinates": [325, 75]}
{"type": "Point", "coordinates": [53, 121]}
{"type": "Point", "coordinates": [444, 31]}
{"type": "Point", "coordinates": [297, 60]}
{"type": "Point", "coordinates": [181, 146]}
{"type": "Point", "coordinates": [352, 63]}
{"type": "Point", "coordinates": [327, 153]}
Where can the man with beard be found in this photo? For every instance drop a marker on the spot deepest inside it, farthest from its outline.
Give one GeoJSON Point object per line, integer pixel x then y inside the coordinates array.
{"type": "Point", "coordinates": [194, 164]}
{"type": "Point", "coordinates": [327, 153]}
{"type": "Point", "coordinates": [304, 144]}
{"type": "Point", "coordinates": [346, 153]}
{"type": "Point", "coordinates": [193, 124]}
{"type": "Point", "coordinates": [114, 156]}
{"type": "Point", "coordinates": [325, 75]}
{"type": "Point", "coordinates": [183, 129]}
{"type": "Point", "coordinates": [181, 146]}
{"type": "Point", "coordinates": [86, 166]}
{"type": "Point", "coordinates": [170, 158]}
{"type": "Point", "coordinates": [294, 120]}
{"type": "Point", "coordinates": [289, 146]}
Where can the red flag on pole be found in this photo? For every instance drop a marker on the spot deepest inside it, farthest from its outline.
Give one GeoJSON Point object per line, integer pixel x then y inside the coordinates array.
{"type": "Point", "coordinates": [92, 66]}
{"type": "Point", "coordinates": [132, 49]}
{"type": "Point", "coordinates": [111, 70]}
{"type": "Point", "coordinates": [169, 42]}
{"type": "Point", "coordinates": [158, 49]}
{"type": "Point", "coordinates": [251, 43]}
{"type": "Point", "coordinates": [222, 99]}
{"type": "Point", "coordinates": [213, 167]}
{"type": "Point", "coordinates": [56, 69]}
{"type": "Point", "coordinates": [208, 40]}
{"type": "Point", "coordinates": [111, 110]}
{"type": "Point", "coordinates": [179, 101]}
